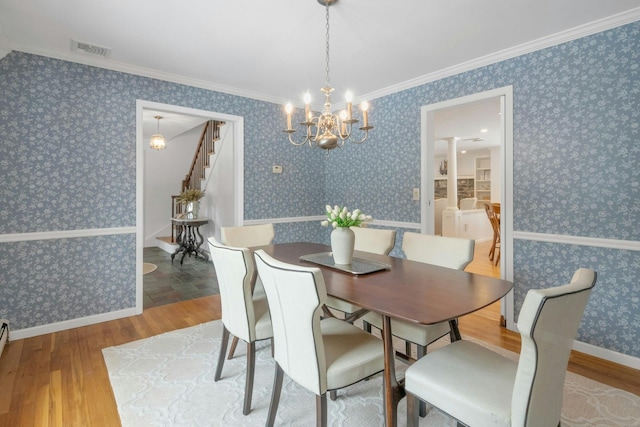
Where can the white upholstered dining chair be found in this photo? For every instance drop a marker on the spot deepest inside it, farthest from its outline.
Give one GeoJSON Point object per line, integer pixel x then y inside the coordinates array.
{"type": "Point", "coordinates": [450, 252]}
{"type": "Point", "coordinates": [373, 240]}
{"type": "Point", "coordinates": [246, 236]}
{"type": "Point", "coordinates": [319, 354]}
{"type": "Point", "coordinates": [479, 387]}
{"type": "Point", "coordinates": [244, 314]}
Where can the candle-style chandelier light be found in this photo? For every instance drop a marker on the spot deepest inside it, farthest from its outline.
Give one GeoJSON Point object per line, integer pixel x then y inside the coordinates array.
{"type": "Point", "coordinates": [331, 130]}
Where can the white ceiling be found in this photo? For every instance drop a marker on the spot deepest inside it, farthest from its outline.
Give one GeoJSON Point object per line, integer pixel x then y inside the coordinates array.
{"type": "Point", "coordinates": [171, 125]}
{"type": "Point", "coordinates": [275, 50]}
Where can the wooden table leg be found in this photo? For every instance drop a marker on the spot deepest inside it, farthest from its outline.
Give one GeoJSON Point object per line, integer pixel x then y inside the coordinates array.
{"type": "Point", "coordinates": [393, 390]}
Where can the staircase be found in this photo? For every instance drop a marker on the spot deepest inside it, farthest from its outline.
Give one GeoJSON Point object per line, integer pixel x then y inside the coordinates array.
{"type": "Point", "coordinates": [201, 158]}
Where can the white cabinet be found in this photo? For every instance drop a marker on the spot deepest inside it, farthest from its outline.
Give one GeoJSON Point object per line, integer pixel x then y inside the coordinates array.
{"type": "Point", "coordinates": [483, 178]}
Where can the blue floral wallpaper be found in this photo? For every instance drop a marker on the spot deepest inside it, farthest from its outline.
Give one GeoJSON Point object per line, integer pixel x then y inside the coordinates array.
{"type": "Point", "coordinates": [48, 281]}
{"type": "Point", "coordinates": [576, 155]}
{"type": "Point", "coordinates": [67, 137]}
{"type": "Point", "coordinates": [612, 317]}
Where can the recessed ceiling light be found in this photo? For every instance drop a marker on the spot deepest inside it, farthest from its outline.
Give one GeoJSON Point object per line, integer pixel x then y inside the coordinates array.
{"type": "Point", "coordinates": [463, 152]}
{"type": "Point", "coordinates": [484, 130]}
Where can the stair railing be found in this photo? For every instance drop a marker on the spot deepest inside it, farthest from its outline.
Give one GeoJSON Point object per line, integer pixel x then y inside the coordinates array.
{"type": "Point", "coordinates": [206, 146]}
{"type": "Point", "coordinates": [210, 134]}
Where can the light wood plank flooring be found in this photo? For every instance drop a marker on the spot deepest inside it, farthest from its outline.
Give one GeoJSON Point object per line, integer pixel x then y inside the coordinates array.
{"type": "Point", "coordinates": [60, 379]}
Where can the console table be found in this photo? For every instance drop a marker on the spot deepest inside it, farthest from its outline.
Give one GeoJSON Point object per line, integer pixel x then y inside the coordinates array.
{"type": "Point", "coordinates": [189, 238]}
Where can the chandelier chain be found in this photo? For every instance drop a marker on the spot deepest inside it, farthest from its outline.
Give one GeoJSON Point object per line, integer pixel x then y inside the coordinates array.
{"type": "Point", "coordinates": [328, 80]}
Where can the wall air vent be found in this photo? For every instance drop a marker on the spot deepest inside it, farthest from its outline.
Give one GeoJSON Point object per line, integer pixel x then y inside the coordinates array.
{"type": "Point", "coordinates": [90, 49]}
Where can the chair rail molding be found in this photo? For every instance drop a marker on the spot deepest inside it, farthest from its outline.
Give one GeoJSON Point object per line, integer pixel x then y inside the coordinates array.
{"type": "Point", "coordinates": [65, 234]}
{"type": "Point", "coordinates": [597, 242]}
{"type": "Point", "coordinates": [284, 220]}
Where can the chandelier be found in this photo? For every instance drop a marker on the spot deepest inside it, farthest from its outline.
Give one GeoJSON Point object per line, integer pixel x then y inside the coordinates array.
{"type": "Point", "coordinates": [328, 130]}
{"type": "Point", "coordinates": [157, 141]}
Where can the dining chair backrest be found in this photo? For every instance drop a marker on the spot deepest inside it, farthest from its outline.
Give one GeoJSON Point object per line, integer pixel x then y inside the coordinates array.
{"type": "Point", "coordinates": [468, 203]}
{"type": "Point", "coordinates": [248, 235]}
{"type": "Point", "coordinates": [548, 323]}
{"type": "Point", "coordinates": [493, 218]}
{"type": "Point", "coordinates": [450, 252]}
{"type": "Point", "coordinates": [375, 240]}
{"type": "Point", "coordinates": [235, 268]}
{"type": "Point", "coordinates": [295, 296]}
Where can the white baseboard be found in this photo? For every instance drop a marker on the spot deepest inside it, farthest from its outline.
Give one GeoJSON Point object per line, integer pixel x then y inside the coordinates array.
{"type": "Point", "coordinates": [73, 323]}
{"type": "Point", "coordinates": [609, 355]}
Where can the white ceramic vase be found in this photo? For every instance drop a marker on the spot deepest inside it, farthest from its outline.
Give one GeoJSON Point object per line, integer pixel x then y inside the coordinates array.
{"type": "Point", "coordinates": [343, 240]}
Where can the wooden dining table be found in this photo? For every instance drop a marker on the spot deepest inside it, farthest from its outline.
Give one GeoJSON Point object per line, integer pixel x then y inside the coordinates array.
{"type": "Point", "coordinates": [408, 290]}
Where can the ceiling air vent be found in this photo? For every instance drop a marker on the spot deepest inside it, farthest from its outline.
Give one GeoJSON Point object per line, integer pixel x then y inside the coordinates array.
{"type": "Point", "coordinates": [90, 49]}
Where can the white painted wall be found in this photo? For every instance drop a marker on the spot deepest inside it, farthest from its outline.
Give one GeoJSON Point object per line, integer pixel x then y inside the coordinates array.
{"type": "Point", "coordinates": [496, 183]}
{"type": "Point", "coordinates": [219, 185]}
{"type": "Point", "coordinates": [466, 163]}
{"type": "Point", "coordinates": [163, 175]}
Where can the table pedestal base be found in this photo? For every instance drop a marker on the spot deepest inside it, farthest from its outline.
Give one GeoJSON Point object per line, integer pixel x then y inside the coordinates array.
{"type": "Point", "coordinates": [189, 240]}
{"type": "Point", "coordinates": [393, 389]}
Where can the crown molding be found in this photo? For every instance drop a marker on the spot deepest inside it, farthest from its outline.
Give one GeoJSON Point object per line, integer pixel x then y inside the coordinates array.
{"type": "Point", "coordinates": [535, 45]}
{"type": "Point", "coordinates": [584, 30]}
{"type": "Point", "coordinates": [80, 58]}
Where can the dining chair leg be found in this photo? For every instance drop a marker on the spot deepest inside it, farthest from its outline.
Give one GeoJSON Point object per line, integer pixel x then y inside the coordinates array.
{"type": "Point", "coordinates": [251, 368]}
{"type": "Point", "coordinates": [333, 394]}
{"type": "Point", "coordinates": [493, 249]}
{"type": "Point", "coordinates": [223, 351]}
{"type": "Point", "coordinates": [454, 332]}
{"type": "Point", "coordinates": [232, 350]}
{"type": "Point", "coordinates": [407, 349]}
{"type": "Point", "coordinates": [412, 410]}
{"type": "Point", "coordinates": [321, 410]}
{"type": "Point", "coordinates": [421, 352]}
{"type": "Point", "coordinates": [366, 326]}
{"type": "Point", "coordinates": [275, 395]}
{"type": "Point", "coordinates": [326, 312]}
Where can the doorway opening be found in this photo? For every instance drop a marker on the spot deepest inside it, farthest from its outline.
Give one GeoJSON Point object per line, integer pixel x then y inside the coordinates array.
{"type": "Point", "coordinates": [437, 118]}
{"type": "Point", "coordinates": [222, 206]}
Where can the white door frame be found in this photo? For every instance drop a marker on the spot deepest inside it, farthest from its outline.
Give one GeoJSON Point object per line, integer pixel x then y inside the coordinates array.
{"type": "Point", "coordinates": [427, 142]}
{"type": "Point", "coordinates": [238, 158]}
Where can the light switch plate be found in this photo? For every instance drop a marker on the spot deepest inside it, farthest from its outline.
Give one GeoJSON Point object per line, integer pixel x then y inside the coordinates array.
{"type": "Point", "coordinates": [416, 194]}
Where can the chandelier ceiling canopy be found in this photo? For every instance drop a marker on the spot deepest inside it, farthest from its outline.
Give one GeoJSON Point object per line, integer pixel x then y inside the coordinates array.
{"type": "Point", "coordinates": [328, 130]}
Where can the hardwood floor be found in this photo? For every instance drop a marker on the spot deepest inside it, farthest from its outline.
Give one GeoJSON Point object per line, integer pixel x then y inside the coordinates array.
{"type": "Point", "coordinates": [60, 379]}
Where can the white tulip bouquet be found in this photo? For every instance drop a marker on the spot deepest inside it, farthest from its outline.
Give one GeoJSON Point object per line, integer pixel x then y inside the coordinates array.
{"type": "Point", "coordinates": [341, 217]}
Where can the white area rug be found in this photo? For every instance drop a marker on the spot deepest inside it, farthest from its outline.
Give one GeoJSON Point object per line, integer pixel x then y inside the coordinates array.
{"type": "Point", "coordinates": [167, 380]}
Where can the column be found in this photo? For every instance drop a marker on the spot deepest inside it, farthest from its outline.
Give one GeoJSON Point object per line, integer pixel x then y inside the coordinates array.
{"type": "Point", "coordinates": [451, 215]}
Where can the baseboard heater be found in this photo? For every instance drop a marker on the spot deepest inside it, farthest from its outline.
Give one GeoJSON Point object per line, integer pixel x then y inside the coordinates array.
{"type": "Point", "coordinates": [4, 334]}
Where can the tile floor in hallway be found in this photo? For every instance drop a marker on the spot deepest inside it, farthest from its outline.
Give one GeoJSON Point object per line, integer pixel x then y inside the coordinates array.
{"type": "Point", "coordinates": [172, 282]}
